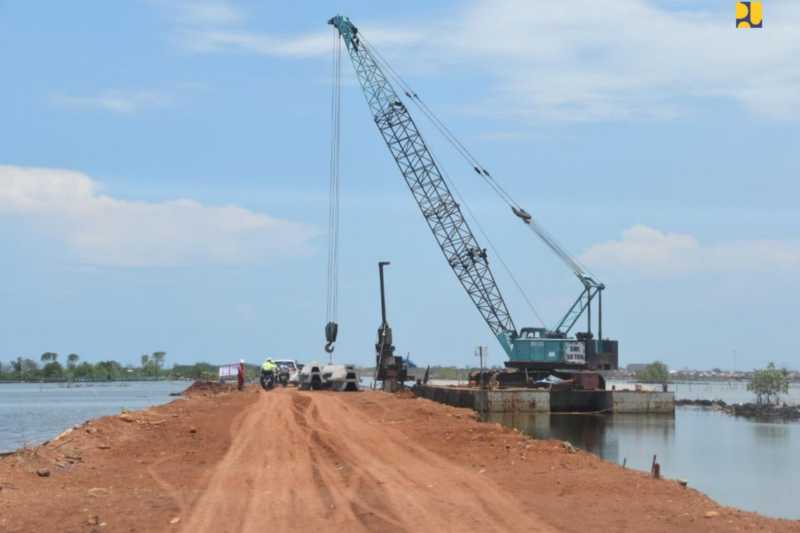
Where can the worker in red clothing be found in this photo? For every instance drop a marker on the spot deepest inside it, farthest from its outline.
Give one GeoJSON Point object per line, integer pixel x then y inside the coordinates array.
{"type": "Point", "coordinates": [240, 374]}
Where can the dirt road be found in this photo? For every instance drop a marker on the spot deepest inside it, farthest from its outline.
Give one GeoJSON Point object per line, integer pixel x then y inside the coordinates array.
{"type": "Point", "coordinates": [306, 461]}
{"type": "Point", "coordinates": [226, 461]}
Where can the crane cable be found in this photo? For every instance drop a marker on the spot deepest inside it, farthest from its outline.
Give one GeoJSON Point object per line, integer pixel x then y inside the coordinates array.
{"type": "Point", "coordinates": [491, 244]}
{"type": "Point", "coordinates": [459, 146]}
{"type": "Point", "coordinates": [574, 265]}
{"type": "Point", "coordinates": [443, 129]}
{"type": "Point", "coordinates": [332, 295]}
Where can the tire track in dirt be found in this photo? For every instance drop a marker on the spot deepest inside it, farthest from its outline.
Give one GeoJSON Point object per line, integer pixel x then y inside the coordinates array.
{"type": "Point", "coordinates": [305, 460]}
{"type": "Point", "coordinates": [425, 484]}
{"type": "Point", "coordinates": [182, 497]}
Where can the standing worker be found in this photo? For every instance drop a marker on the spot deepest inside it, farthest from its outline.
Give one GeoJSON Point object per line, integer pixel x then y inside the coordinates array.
{"type": "Point", "coordinates": [240, 375]}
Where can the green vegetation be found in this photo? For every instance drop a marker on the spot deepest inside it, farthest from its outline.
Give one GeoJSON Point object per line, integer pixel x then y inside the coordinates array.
{"type": "Point", "coordinates": [203, 371]}
{"type": "Point", "coordinates": [152, 367]}
{"type": "Point", "coordinates": [206, 371]}
{"type": "Point", "coordinates": [769, 383]}
{"type": "Point", "coordinates": [50, 369]}
{"type": "Point", "coordinates": [656, 372]}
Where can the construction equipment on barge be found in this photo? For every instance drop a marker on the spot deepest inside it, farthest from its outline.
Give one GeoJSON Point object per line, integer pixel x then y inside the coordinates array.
{"type": "Point", "coordinates": [534, 353]}
{"type": "Point", "coordinates": [390, 369]}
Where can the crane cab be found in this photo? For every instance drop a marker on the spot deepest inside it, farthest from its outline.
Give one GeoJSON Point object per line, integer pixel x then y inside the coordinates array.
{"type": "Point", "coordinates": [539, 346]}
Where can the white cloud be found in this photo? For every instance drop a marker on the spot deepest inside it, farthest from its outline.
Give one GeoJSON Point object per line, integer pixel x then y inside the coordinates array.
{"type": "Point", "coordinates": [317, 44]}
{"type": "Point", "coordinates": [116, 101]}
{"type": "Point", "coordinates": [583, 59]}
{"type": "Point", "coordinates": [104, 230]}
{"type": "Point", "coordinates": [208, 12]}
{"type": "Point", "coordinates": [651, 252]}
{"type": "Point", "coordinates": [200, 12]}
{"type": "Point", "coordinates": [258, 43]}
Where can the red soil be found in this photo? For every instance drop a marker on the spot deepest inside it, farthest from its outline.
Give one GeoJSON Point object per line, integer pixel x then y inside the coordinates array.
{"type": "Point", "coordinates": [223, 460]}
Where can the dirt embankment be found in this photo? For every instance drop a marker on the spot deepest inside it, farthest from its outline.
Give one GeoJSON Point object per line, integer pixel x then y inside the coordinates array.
{"type": "Point", "coordinates": [132, 472]}
{"type": "Point", "coordinates": [289, 460]}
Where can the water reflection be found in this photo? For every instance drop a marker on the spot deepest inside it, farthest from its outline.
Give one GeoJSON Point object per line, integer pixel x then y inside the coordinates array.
{"type": "Point", "coordinates": [729, 391]}
{"type": "Point", "coordinates": [736, 461]}
{"type": "Point", "coordinates": [772, 434]}
{"type": "Point", "coordinates": [598, 434]}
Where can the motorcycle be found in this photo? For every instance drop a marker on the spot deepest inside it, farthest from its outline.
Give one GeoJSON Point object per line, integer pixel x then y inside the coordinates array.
{"type": "Point", "coordinates": [267, 380]}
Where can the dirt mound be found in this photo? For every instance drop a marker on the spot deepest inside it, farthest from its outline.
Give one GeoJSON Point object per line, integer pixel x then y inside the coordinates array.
{"type": "Point", "coordinates": [405, 393]}
{"type": "Point", "coordinates": [208, 388]}
{"type": "Point", "coordinates": [135, 471]}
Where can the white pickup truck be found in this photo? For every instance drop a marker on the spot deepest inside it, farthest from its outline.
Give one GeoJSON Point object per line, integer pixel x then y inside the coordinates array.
{"type": "Point", "coordinates": [291, 366]}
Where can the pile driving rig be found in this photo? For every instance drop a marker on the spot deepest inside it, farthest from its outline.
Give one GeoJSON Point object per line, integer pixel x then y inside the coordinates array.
{"type": "Point", "coordinates": [390, 369]}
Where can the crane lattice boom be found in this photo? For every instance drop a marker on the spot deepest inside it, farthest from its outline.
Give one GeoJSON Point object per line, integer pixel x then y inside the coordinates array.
{"type": "Point", "coordinates": [418, 167]}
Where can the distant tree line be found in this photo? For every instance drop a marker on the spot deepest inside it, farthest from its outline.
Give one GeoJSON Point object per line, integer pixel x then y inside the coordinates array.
{"type": "Point", "coordinates": [209, 372]}
{"type": "Point", "coordinates": [151, 366]}
{"type": "Point", "coordinates": [49, 368]}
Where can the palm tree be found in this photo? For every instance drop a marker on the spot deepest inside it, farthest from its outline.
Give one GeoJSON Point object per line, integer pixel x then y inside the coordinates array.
{"type": "Point", "coordinates": [72, 360]}
{"type": "Point", "coordinates": [49, 356]}
{"type": "Point", "coordinates": [158, 357]}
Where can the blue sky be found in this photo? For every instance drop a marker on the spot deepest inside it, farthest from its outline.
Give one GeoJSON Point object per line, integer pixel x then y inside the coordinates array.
{"type": "Point", "coordinates": [164, 175]}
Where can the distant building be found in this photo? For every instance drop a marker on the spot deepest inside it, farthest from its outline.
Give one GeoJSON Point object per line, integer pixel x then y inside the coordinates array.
{"type": "Point", "coordinates": [636, 367]}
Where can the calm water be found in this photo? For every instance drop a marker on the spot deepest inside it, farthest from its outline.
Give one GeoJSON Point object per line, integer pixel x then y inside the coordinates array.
{"type": "Point", "coordinates": [731, 392]}
{"type": "Point", "coordinates": [738, 462]}
{"type": "Point", "coordinates": [34, 412]}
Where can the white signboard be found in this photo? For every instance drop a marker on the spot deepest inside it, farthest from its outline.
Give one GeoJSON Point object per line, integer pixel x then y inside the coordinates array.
{"type": "Point", "coordinates": [228, 371]}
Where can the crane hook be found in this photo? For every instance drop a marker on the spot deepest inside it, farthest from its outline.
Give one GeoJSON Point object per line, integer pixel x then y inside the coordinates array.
{"type": "Point", "coordinates": [331, 330]}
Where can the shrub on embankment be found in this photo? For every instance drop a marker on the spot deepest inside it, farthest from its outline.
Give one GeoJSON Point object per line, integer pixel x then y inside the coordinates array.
{"type": "Point", "coordinates": [769, 383]}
